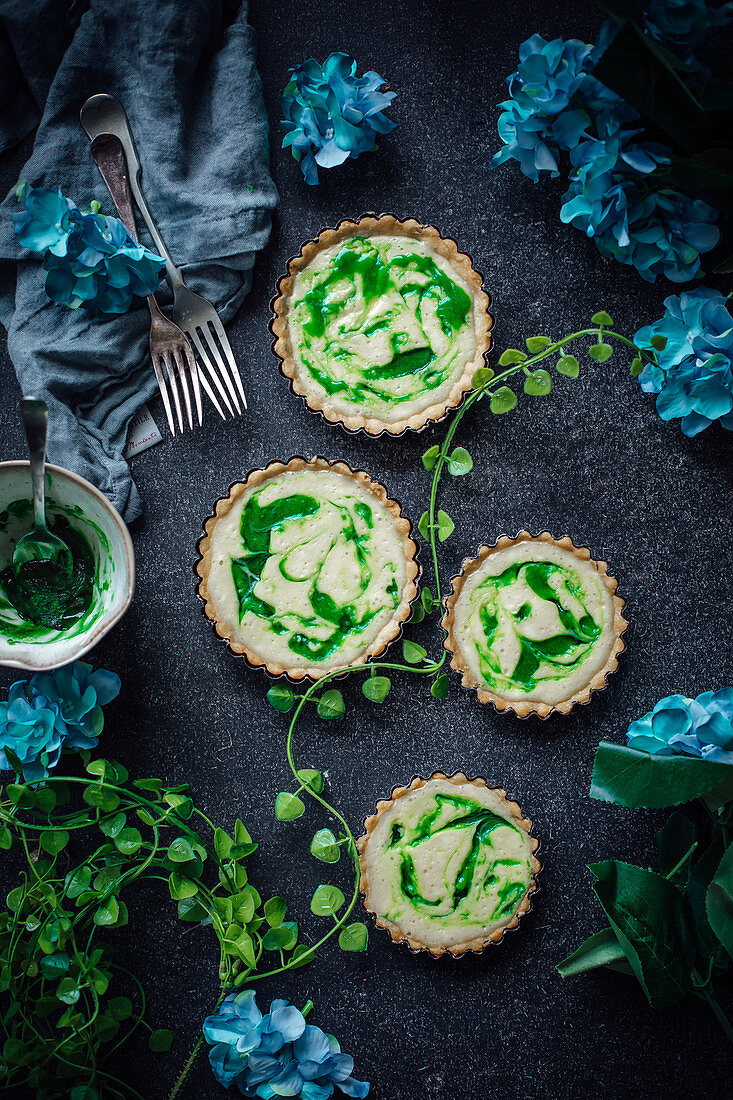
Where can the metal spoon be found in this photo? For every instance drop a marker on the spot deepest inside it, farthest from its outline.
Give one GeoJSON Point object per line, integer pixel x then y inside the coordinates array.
{"type": "Point", "coordinates": [39, 544]}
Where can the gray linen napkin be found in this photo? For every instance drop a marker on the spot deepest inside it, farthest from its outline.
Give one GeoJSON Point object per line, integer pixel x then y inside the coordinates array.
{"type": "Point", "coordinates": [186, 73]}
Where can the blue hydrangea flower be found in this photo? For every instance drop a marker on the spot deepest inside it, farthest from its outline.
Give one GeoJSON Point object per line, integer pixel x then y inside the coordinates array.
{"type": "Point", "coordinates": [693, 372]}
{"type": "Point", "coordinates": [277, 1054]}
{"type": "Point", "coordinates": [700, 727]}
{"type": "Point", "coordinates": [536, 123]}
{"type": "Point", "coordinates": [78, 692]}
{"type": "Point", "coordinates": [33, 729]}
{"type": "Point", "coordinates": [332, 114]}
{"type": "Point", "coordinates": [54, 711]}
{"type": "Point", "coordinates": [46, 221]}
{"type": "Point", "coordinates": [90, 259]}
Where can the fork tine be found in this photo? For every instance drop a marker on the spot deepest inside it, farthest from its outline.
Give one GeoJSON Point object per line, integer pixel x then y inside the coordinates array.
{"type": "Point", "coordinates": [193, 369]}
{"type": "Point", "coordinates": [224, 340]}
{"type": "Point", "coordinates": [174, 388]}
{"type": "Point", "coordinates": [205, 383]}
{"type": "Point", "coordinates": [216, 355]}
{"type": "Point", "coordinates": [195, 339]}
{"type": "Point", "coordinates": [160, 378]}
{"type": "Point", "coordinates": [176, 353]}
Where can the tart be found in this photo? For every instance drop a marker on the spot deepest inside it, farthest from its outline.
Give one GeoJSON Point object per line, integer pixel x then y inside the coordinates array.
{"type": "Point", "coordinates": [380, 324]}
{"type": "Point", "coordinates": [307, 567]}
{"type": "Point", "coordinates": [534, 624]}
{"type": "Point", "coordinates": [447, 864]}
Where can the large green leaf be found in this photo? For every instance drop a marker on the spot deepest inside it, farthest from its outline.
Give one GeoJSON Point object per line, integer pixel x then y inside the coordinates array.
{"type": "Point", "coordinates": [652, 922]}
{"type": "Point", "coordinates": [719, 902]}
{"type": "Point", "coordinates": [629, 777]}
{"type": "Point", "coordinates": [598, 950]}
{"type": "Point", "coordinates": [703, 873]}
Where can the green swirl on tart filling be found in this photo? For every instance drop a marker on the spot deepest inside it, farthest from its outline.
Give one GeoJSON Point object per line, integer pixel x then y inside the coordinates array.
{"type": "Point", "coordinates": [307, 568]}
{"type": "Point", "coordinates": [447, 863]}
{"type": "Point", "coordinates": [380, 325]}
{"type": "Point", "coordinates": [534, 622]}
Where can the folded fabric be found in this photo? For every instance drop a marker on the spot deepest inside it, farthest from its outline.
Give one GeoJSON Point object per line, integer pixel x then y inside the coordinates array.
{"type": "Point", "coordinates": [186, 75]}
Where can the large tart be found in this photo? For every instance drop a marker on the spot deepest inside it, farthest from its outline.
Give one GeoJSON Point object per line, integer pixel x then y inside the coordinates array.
{"type": "Point", "coordinates": [380, 324]}
{"type": "Point", "coordinates": [448, 864]}
{"type": "Point", "coordinates": [307, 567]}
{"type": "Point", "coordinates": [534, 624]}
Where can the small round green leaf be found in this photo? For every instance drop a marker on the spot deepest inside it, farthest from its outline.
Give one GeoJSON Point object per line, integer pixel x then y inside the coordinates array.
{"type": "Point", "coordinates": [427, 600]}
{"type": "Point", "coordinates": [446, 526]}
{"type": "Point", "coordinates": [182, 887]}
{"type": "Point", "coordinates": [439, 686]}
{"type": "Point", "coordinates": [113, 825]}
{"type": "Point", "coordinates": [600, 352]}
{"type": "Point", "coordinates": [511, 356]}
{"type": "Point", "coordinates": [288, 806]}
{"type": "Point", "coordinates": [636, 367]}
{"type": "Point", "coordinates": [568, 365]}
{"type": "Point", "coordinates": [602, 318]}
{"type": "Point", "coordinates": [325, 847]}
{"type": "Point", "coordinates": [503, 400]}
{"type": "Point", "coordinates": [128, 841]}
{"type": "Point", "coordinates": [431, 457]}
{"type": "Point", "coordinates": [417, 614]}
{"type": "Point", "coordinates": [281, 698]}
{"type": "Point", "coordinates": [481, 377]}
{"type": "Point", "coordinates": [181, 850]}
{"type": "Point", "coordinates": [331, 704]}
{"type": "Point", "coordinates": [160, 1040]}
{"type": "Point", "coordinates": [423, 526]}
{"type": "Point", "coordinates": [376, 688]}
{"type": "Point", "coordinates": [283, 938]}
{"type": "Point", "coordinates": [54, 842]}
{"type": "Point", "coordinates": [311, 778]}
{"type": "Point", "coordinates": [538, 383]}
{"type": "Point", "coordinates": [120, 1008]}
{"type": "Point", "coordinates": [353, 937]}
{"type": "Point", "coordinates": [538, 343]}
{"type": "Point", "coordinates": [327, 900]}
{"type": "Point", "coordinates": [459, 462]}
{"type": "Point", "coordinates": [275, 911]}
{"type": "Point", "coordinates": [413, 653]}
{"type": "Point", "coordinates": [107, 914]}
{"type": "Point", "coordinates": [659, 343]}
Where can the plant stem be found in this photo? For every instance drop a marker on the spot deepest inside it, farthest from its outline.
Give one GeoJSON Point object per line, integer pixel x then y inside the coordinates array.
{"type": "Point", "coordinates": [190, 1061]}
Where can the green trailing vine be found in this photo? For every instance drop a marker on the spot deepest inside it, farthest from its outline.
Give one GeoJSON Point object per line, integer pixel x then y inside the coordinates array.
{"type": "Point", "coordinates": [81, 842]}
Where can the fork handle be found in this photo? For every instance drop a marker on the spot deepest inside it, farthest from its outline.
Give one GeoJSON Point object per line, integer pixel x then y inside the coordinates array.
{"type": "Point", "coordinates": [109, 157]}
{"type": "Point", "coordinates": [104, 116]}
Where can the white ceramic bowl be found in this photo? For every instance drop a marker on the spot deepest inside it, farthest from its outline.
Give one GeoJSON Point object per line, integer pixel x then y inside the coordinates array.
{"type": "Point", "coordinates": [93, 516]}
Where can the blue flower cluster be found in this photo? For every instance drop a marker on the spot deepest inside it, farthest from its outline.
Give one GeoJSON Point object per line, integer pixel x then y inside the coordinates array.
{"type": "Point", "coordinates": [558, 105]}
{"type": "Point", "coordinates": [700, 727]}
{"type": "Point", "coordinates": [331, 113]}
{"type": "Point", "coordinates": [693, 372]}
{"type": "Point", "coordinates": [54, 711]}
{"type": "Point", "coordinates": [277, 1054]}
{"type": "Point", "coordinates": [90, 259]}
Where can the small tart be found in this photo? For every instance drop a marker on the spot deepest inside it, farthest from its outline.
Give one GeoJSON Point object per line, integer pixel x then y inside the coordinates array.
{"type": "Point", "coordinates": [534, 624]}
{"type": "Point", "coordinates": [307, 567]}
{"type": "Point", "coordinates": [380, 324]}
{"type": "Point", "coordinates": [448, 864]}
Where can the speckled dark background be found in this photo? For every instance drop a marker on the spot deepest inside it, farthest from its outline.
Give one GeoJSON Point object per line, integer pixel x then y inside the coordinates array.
{"type": "Point", "coordinates": [592, 460]}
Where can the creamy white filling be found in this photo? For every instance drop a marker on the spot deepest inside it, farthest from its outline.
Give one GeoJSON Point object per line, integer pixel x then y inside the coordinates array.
{"type": "Point", "coordinates": [437, 861]}
{"type": "Point", "coordinates": [306, 549]}
{"type": "Point", "coordinates": [344, 331]}
{"type": "Point", "coordinates": [541, 623]}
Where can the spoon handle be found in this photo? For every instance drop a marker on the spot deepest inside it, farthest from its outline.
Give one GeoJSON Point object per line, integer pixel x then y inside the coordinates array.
{"type": "Point", "coordinates": [35, 421]}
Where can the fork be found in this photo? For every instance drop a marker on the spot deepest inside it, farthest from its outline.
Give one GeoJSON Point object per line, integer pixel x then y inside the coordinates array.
{"type": "Point", "coordinates": [168, 345]}
{"type": "Point", "coordinates": [192, 313]}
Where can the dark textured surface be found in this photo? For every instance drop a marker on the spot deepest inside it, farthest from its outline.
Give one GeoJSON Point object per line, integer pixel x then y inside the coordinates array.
{"type": "Point", "coordinates": [592, 460]}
